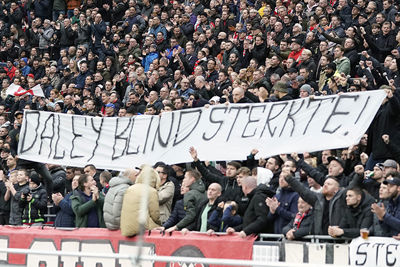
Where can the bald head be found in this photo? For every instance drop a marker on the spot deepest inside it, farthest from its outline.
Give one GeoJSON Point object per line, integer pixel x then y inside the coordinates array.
{"type": "Point", "coordinates": [131, 174]}
{"type": "Point", "coordinates": [237, 94]}
{"type": "Point", "coordinates": [249, 183]}
{"type": "Point", "coordinates": [213, 192]}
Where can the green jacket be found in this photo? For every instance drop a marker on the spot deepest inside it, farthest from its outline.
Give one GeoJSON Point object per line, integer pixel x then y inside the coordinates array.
{"type": "Point", "coordinates": [81, 209]}
{"type": "Point", "coordinates": [190, 201]}
{"type": "Point", "coordinates": [342, 65]}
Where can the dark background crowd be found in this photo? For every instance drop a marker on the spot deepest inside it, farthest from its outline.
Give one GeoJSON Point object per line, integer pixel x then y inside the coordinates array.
{"type": "Point", "coordinates": [124, 58]}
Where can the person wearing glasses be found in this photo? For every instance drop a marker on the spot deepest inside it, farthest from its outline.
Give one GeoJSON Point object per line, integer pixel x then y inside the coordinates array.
{"type": "Point", "coordinates": [166, 193]}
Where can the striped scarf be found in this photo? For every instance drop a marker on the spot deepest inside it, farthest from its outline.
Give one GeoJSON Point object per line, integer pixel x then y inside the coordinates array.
{"type": "Point", "coordinates": [299, 218]}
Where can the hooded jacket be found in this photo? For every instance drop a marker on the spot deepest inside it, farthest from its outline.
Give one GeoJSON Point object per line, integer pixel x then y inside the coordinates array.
{"type": "Point", "coordinates": [221, 220]}
{"type": "Point", "coordinates": [190, 200]}
{"type": "Point", "coordinates": [113, 201]}
{"type": "Point", "coordinates": [134, 196]}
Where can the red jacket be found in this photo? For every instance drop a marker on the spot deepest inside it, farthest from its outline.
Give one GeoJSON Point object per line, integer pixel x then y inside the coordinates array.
{"type": "Point", "coordinates": [295, 55]}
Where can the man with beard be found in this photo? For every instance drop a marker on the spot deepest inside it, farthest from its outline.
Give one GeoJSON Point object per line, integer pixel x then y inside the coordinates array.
{"type": "Point", "coordinates": [211, 73]}
{"type": "Point", "coordinates": [374, 180]}
{"type": "Point", "coordinates": [259, 50]}
{"type": "Point", "coordinates": [274, 165]}
{"type": "Point", "coordinates": [223, 83]}
{"type": "Point", "coordinates": [370, 10]}
{"type": "Point", "coordinates": [329, 205]}
{"type": "Point", "coordinates": [229, 49]}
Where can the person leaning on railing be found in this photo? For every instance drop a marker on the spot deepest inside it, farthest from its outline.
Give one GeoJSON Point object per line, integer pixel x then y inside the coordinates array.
{"type": "Point", "coordinates": [301, 224]}
{"type": "Point", "coordinates": [329, 205]}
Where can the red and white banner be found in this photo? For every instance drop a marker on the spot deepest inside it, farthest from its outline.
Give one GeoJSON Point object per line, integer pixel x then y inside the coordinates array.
{"type": "Point", "coordinates": [36, 91]}
{"type": "Point", "coordinates": [17, 90]}
{"type": "Point", "coordinates": [94, 240]}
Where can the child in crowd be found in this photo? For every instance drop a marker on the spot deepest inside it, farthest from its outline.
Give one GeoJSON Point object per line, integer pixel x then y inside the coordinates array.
{"type": "Point", "coordinates": [33, 201]}
{"type": "Point", "coordinates": [15, 185]}
{"type": "Point", "coordinates": [225, 216]}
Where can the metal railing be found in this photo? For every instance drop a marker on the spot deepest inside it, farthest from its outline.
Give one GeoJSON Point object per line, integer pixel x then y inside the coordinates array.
{"type": "Point", "coordinates": [310, 238]}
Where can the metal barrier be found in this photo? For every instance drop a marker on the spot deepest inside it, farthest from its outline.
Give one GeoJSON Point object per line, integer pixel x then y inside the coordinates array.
{"type": "Point", "coordinates": [313, 249]}
{"type": "Point", "coordinates": [308, 238]}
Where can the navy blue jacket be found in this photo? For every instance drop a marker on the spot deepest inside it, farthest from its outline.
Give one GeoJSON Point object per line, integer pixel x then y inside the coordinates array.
{"type": "Point", "coordinates": [286, 211]}
{"type": "Point", "coordinates": [177, 214]}
{"type": "Point", "coordinates": [222, 220]}
{"type": "Point", "coordinates": [391, 220]}
{"type": "Point", "coordinates": [99, 31]}
{"type": "Point", "coordinates": [65, 216]}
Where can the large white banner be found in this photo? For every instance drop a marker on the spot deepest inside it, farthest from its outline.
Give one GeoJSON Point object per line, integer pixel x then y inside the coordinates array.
{"type": "Point", "coordinates": [375, 251]}
{"type": "Point", "coordinates": [223, 132]}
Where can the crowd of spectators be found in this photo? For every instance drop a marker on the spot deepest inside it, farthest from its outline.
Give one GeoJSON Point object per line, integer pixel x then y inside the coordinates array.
{"type": "Point", "coordinates": [131, 57]}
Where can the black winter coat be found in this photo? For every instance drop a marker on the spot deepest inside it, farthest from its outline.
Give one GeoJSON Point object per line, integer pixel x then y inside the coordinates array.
{"type": "Point", "coordinates": [34, 210]}
{"type": "Point", "coordinates": [59, 177]}
{"type": "Point", "coordinates": [230, 188]}
{"type": "Point", "coordinates": [255, 218]}
{"type": "Point", "coordinates": [196, 225]}
{"type": "Point", "coordinates": [67, 36]}
{"type": "Point", "coordinates": [306, 226]}
{"type": "Point", "coordinates": [4, 205]}
{"type": "Point", "coordinates": [317, 200]}
{"type": "Point", "coordinates": [357, 218]}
